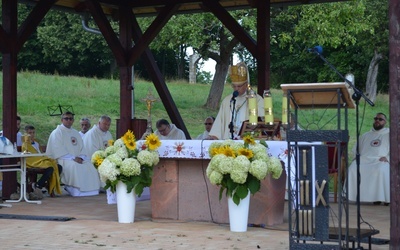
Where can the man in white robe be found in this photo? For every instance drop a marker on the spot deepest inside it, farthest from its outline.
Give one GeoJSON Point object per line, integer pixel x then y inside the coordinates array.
{"type": "Point", "coordinates": [240, 83]}
{"type": "Point", "coordinates": [98, 136]}
{"type": "Point", "coordinates": [167, 131]}
{"type": "Point", "coordinates": [208, 123]}
{"type": "Point", "coordinates": [65, 144]}
{"type": "Point", "coordinates": [85, 126]}
{"type": "Point", "coordinates": [374, 148]}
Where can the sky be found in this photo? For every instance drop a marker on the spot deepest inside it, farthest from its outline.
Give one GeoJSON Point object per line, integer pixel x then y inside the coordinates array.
{"type": "Point", "coordinates": [209, 65]}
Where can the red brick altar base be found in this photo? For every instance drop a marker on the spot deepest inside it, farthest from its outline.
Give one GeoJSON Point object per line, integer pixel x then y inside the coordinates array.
{"type": "Point", "coordinates": [182, 191]}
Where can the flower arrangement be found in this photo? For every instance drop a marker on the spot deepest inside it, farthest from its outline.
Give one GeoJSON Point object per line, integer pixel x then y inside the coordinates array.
{"type": "Point", "coordinates": [239, 167]}
{"type": "Point", "coordinates": [122, 161]}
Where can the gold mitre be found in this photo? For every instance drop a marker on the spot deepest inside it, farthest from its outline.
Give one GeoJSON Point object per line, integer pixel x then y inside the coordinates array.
{"type": "Point", "coordinates": [238, 73]}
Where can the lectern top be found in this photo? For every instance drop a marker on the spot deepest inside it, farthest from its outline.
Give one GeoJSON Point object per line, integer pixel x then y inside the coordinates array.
{"type": "Point", "coordinates": [319, 95]}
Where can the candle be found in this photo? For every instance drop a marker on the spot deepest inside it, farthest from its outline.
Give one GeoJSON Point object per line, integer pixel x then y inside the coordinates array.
{"type": "Point", "coordinates": [268, 102]}
{"type": "Point", "coordinates": [269, 116]}
{"type": "Point", "coordinates": [284, 109]}
{"type": "Point", "coordinates": [252, 103]}
{"type": "Point", "coordinates": [252, 106]}
{"type": "Point", "coordinates": [253, 119]}
{"type": "Point", "coordinates": [253, 114]}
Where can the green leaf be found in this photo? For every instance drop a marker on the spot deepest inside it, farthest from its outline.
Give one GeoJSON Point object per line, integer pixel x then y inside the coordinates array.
{"type": "Point", "coordinates": [236, 199]}
{"type": "Point", "coordinates": [253, 184]}
{"type": "Point", "coordinates": [241, 191]}
{"type": "Point", "coordinates": [264, 143]}
{"type": "Point", "coordinates": [139, 189]}
{"type": "Point", "coordinates": [221, 191]}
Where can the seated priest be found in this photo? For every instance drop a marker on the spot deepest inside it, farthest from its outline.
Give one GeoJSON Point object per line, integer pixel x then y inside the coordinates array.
{"type": "Point", "coordinates": [66, 145]}
{"type": "Point", "coordinates": [167, 131]}
{"type": "Point", "coordinates": [374, 149]}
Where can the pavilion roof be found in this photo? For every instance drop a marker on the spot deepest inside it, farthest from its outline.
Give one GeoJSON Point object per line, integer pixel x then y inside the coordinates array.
{"type": "Point", "coordinates": [152, 7]}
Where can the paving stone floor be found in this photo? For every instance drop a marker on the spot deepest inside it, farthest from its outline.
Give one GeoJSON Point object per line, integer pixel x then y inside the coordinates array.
{"type": "Point", "coordinates": [95, 227]}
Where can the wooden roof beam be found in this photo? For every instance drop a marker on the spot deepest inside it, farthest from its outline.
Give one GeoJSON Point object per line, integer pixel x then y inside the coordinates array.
{"type": "Point", "coordinates": [152, 31]}
{"type": "Point", "coordinates": [32, 21]}
{"type": "Point", "coordinates": [159, 82]}
{"type": "Point", "coordinates": [107, 31]}
{"type": "Point", "coordinates": [4, 40]}
{"type": "Point", "coordinates": [232, 25]}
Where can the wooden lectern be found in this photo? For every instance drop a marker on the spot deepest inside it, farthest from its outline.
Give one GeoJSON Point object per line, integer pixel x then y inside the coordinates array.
{"type": "Point", "coordinates": [319, 95]}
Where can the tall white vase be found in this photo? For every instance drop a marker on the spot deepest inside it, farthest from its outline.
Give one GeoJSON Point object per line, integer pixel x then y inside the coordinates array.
{"type": "Point", "coordinates": [126, 203]}
{"type": "Point", "coordinates": [239, 214]}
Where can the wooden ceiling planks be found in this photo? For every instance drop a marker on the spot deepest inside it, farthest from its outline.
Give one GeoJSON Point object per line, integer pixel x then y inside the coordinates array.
{"type": "Point", "coordinates": [152, 7]}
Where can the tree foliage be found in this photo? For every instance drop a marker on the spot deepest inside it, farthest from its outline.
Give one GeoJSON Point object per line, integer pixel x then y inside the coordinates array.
{"type": "Point", "coordinates": [61, 45]}
{"type": "Point", "coordinates": [350, 33]}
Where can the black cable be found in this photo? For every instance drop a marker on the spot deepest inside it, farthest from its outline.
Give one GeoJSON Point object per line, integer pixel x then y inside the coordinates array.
{"type": "Point", "coordinates": [205, 180]}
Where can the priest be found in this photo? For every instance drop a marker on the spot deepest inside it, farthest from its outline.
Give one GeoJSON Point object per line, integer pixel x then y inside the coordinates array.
{"type": "Point", "coordinates": [374, 149]}
{"type": "Point", "coordinates": [234, 108]}
{"type": "Point", "coordinates": [65, 144]}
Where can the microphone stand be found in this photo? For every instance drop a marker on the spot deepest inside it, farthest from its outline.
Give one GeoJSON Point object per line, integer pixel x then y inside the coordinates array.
{"type": "Point", "coordinates": [233, 116]}
{"type": "Point", "coordinates": [356, 97]}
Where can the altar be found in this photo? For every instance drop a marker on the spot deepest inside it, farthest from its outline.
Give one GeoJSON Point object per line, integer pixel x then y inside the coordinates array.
{"type": "Point", "coordinates": [182, 191]}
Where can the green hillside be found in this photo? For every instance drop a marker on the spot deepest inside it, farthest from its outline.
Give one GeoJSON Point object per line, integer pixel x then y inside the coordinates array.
{"type": "Point", "coordinates": [91, 97]}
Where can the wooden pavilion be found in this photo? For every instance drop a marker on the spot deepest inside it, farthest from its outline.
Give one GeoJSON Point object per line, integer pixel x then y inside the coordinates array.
{"type": "Point", "coordinates": [12, 39]}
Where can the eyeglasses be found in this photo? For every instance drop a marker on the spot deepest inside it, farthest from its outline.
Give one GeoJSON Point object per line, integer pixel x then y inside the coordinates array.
{"type": "Point", "coordinates": [68, 118]}
{"type": "Point", "coordinates": [161, 131]}
{"type": "Point", "coordinates": [378, 119]}
{"type": "Point", "coordinates": [208, 123]}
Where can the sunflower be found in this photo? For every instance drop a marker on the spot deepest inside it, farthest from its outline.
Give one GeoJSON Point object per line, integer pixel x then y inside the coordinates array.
{"type": "Point", "coordinates": [128, 136]}
{"type": "Point", "coordinates": [249, 140]}
{"type": "Point", "coordinates": [152, 141]}
{"type": "Point", "coordinates": [110, 142]}
{"type": "Point", "coordinates": [129, 140]}
{"type": "Point", "coordinates": [246, 152]}
{"type": "Point", "coordinates": [228, 151]}
{"type": "Point", "coordinates": [214, 151]}
{"type": "Point", "coordinates": [131, 145]}
{"type": "Point", "coordinates": [97, 160]}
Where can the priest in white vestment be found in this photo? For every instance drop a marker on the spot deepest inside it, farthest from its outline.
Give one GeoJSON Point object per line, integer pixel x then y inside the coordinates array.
{"type": "Point", "coordinates": [167, 131]}
{"type": "Point", "coordinates": [374, 148]}
{"type": "Point", "coordinates": [98, 136]}
{"type": "Point", "coordinates": [208, 123]}
{"type": "Point", "coordinates": [66, 145]}
{"type": "Point", "coordinates": [85, 126]}
{"type": "Point", "coordinates": [240, 84]}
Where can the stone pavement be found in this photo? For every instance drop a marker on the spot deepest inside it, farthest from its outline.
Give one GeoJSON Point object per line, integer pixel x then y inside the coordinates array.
{"type": "Point", "coordinates": [95, 226]}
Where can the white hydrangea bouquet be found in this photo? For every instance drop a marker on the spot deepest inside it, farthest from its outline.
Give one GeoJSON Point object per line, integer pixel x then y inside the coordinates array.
{"type": "Point", "coordinates": [122, 161]}
{"type": "Point", "coordinates": [238, 167]}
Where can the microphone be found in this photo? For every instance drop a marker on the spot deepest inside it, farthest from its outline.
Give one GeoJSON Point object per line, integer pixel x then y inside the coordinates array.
{"type": "Point", "coordinates": [234, 95]}
{"type": "Point", "coordinates": [317, 49]}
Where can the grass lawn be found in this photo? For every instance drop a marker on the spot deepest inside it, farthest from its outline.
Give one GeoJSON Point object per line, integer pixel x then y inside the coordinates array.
{"type": "Point", "coordinates": [92, 97]}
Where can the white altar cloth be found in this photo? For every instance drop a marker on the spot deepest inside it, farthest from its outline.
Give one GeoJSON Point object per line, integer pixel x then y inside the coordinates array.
{"type": "Point", "coordinates": [198, 149]}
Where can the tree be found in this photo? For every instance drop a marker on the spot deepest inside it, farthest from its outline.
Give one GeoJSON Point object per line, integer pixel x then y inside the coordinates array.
{"type": "Point", "coordinates": [350, 32]}
{"type": "Point", "coordinates": [61, 45]}
{"type": "Point", "coordinates": [72, 50]}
